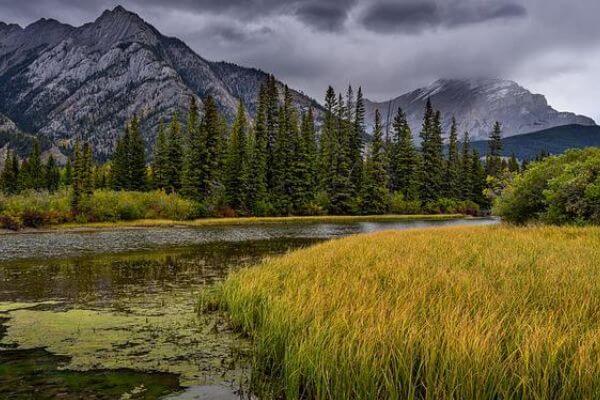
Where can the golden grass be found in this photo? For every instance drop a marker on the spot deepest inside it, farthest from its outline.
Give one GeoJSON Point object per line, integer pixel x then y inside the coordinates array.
{"type": "Point", "coordinates": [204, 222]}
{"type": "Point", "coordinates": [449, 313]}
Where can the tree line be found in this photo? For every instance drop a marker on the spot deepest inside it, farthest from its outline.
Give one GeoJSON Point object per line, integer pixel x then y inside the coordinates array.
{"type": "Point", "coordinates": [284, 162]}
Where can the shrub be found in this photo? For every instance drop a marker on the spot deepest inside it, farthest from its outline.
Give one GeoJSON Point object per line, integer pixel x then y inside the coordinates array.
{"type": "Point", "coordinates": [559, 189]}
{"type": "Point", "coordinates": [400, 205]}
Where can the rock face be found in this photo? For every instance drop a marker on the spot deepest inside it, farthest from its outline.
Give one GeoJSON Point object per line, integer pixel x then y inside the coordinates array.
{"type": "Point", "coordinates": [477, 104]}
{"type": "Point", "coordinates": [63, 82]}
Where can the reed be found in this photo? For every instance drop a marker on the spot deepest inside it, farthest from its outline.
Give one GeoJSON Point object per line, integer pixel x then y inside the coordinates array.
{"type": "Point", "coordinates": [448, 313]}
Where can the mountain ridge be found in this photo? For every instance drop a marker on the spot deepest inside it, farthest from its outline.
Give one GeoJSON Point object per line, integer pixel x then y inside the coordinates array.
{"type": "Point", "coordinates": [477, 103]}
{"type": "Point", "coordinates": [64, 82]}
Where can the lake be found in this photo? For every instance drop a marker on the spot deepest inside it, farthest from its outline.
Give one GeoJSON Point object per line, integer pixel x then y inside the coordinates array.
{"type": "Point", "coordinates": [110, 314]}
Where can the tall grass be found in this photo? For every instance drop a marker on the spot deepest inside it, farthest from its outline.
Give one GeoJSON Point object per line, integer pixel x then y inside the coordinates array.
{"type": "Point", "coordinates": [449, 313]}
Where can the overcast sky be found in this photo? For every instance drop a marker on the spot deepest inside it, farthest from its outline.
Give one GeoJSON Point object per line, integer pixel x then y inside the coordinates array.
{"type": "Point", "coordinates": [387, 46]}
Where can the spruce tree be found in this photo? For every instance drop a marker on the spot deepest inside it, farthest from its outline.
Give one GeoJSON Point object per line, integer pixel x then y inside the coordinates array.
{"type": "Point", "coordinates": [432, 155]}
{"type": "Point", "coordinates": [257, 198]}
{"type": "Point", "coordinates": [68, 174]}
{"type": "Point", "coordinates": [174, 165]}
{"type": "Point", "coordinates": [327, 145]}
{"type": "Point", "coordinates": [357, 144]}
{"type": "Point", "coordinates": [77, 194]}
{"type": "Point", "coordinates": [120, 163]}
{"type": "Point", "coordinates": [404, 162]}
{"type": "Point", "coordinates": [136, 157]}
{"type": "Point", "coordinates": [478, 180]}
{"type": "Point", "coordinates": [10, 173]}
{"type": "Point", "coordinates": [452, 179]}
{"type": "Point", "coordinates": [309, 153]}
{"type": "Point", "coordinates": [87, 171]}
{"type": "Point", "coordinates": [375, 187]}
{"type": "Point", "coordinates": [272, 122]}
{"type": "Point", "coordinates": [236, 180]}
{"type": "Point", "coordinates": [35, 169]}
{"type": "Point", "coordinates": [52, 173]}
{"type": "Point", "coordinates": [494, 157]}
{"type": "Point", "coordinates": [195, 157]}
{"type": "Point", "coordinates": [341, 198]}
{"type": "Point", "coordinates": [215, 144]}
{"type": "Point", "coordinates": [160, 159]}
{"type": "Point", "coordinates": [466, 173]}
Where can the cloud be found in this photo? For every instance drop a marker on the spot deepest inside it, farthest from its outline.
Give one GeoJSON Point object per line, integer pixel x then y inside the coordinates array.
{"type": "Point", "coordinates": [323, 16]}
{"type": "Point", "coordinates": [414, 16]}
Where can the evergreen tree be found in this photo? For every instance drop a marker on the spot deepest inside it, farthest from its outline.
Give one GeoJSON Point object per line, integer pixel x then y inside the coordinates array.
{"type": "Point", "coordinates": [10, 174]}
{"type": "Point", "coordinates": [78, 167]}
{"type": "Point", "coordinates": [466, 173]}
{"type": "Point", "coordinates": [174, 165]}
{"type": "Point", "coordinates": [404, 160]}
{"type": "Point", "coordinates": [357, 144]}
{"type": "Point", "coordinates": [68, 175]}
{"type": "Point", "coordinates": [136, 157]}
{"type": "Point", "coordinates": [52, 173]}
{"type": "Point", "coordinates": [120, 163]}
{"type": "Point", "coordinates": [327, 146]}
{"type": "Point", "coordinates": [35, 168]}
{"type": "Point", "coordinates": [375, 187]}
{"type": "Point", "coordinates": [478, 180]}
{"type": "Point", "coordinates": [160, 159]}
{"type": "Point", "coordinates": [195, 159]}
{"type": "Point", "coordinates": [236, 182]}
{"type": "Point", "coordinates": [283, 156]}
{"type": "Point", "coordinates": [432, 155]}
{"type": "Point", "coordinates": [214, 137]}
{"type": "Point", "coordinates": [87, 173]}
{"type": "Point", "coordinates": [257, 180]}
{"type": "Point", "coordinates": [309, 152]}
{"type": "Point", "coordinates": [452, 179]}
{"type": "Point", "coordinates": [341, 197]}
{"type": "Point", "coordinates": [494, 158]}
{"type": "Point", "coordinates": [272, 122]}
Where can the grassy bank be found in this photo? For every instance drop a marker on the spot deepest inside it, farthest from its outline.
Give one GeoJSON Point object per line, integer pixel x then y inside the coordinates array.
{"type": "Point", "coordinates": [449, 313]}
{"type": "Point", "coordinates": [202, 222]}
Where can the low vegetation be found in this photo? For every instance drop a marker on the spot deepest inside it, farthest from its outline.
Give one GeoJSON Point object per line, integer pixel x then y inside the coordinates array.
{"type": "Point", "coordinates": [464, 313]}
{"type": "Point", "coordinates": [561, 189]}
{"type": "Point", "coordinates": [37, 209]}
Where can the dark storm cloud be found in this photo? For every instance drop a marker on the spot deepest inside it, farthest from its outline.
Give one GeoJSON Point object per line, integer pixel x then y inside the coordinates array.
{"type": "Point", "coordinates": [322, 15]}
{"type": "Point", "coordinates": [414, 16]}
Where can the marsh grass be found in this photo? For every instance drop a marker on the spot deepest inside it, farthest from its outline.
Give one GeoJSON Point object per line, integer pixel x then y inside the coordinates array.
{"type": "Point", "coordinates": [449, 313]}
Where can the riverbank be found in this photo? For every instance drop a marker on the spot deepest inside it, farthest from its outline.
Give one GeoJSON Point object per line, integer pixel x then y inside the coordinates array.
{"type": "Point", "coordinates": [460, 312]}
{"type": "Point", "coordinates": [211, 222]}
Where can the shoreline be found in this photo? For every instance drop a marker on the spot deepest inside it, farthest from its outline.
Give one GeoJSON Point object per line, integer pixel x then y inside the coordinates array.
{"type": "Point", "coordinates": [211, 222]}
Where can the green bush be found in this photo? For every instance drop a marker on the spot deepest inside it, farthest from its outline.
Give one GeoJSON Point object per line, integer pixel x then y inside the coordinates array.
{"type": "Point", "coordinates": [34, 209]}
{"type": "Point", "coordinates": [560, 190]}
{"type": "Point", "coordinates": [400, 205]}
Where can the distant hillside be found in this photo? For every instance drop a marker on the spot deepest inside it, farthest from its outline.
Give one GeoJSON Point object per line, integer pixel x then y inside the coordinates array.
{"type": "Point", "coordinates": [554, 141]}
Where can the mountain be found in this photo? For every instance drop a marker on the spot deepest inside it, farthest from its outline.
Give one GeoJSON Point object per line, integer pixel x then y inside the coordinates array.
{"type": "Point", "coordinates": [554, 141]}
{"type": "Point", "coordinates": [477, 104]}
{"type": "Point", "coordinates": [63, 82]}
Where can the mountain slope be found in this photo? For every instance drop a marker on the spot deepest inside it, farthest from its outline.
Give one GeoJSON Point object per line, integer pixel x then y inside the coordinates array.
{"type": "Point", "coordinates": [476, 105]}
{"type": "Point", "coordinates": [63, 82]}
{"type": "Point", "coordinates": [554, 141]}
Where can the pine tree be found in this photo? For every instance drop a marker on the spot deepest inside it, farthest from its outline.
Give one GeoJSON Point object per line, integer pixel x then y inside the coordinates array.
{"type": "Point", "coordinates": [452, 179]}
{"type": "Point", "coordinates": [375, 187]}
{"type": "Point", "coordinates": [466, 173]}
{"type": "Point", "coordinates": [10, 174]}
{"type": "Point", "coordinates": [174, 165]}
{"type": "Point", "coordinates": [160, 159]}
{"type": "Point", "coordinates": [236, 163]}
{"type": "Point", "coordinates": [87, 171]}
{"type": "Point", "coordinates": [195, 157]}
{"type": "Point", "coordinates": [478, 180]}
{"type": "Point", "coordinates": [68, 175]}
{"type": "Point", "coordinates": [357, 144]}
{"type": "Point", "coordinates": [327, 145]}
{"type": "Point", "coordinates": [404, 160]}
{"type": "Point", "coordinates": [309, 152]}
{"type": "Point", "coordinates": [257, 180]}
{"type": "Point", "coordinates": [341, 198]}
{"type": "Point", "coordinates": [432, 155]}
{"type": "Point", "coordinates": [272, 122]}
{"type": "Point", "coordinates": [494, 158]}
{"type": "Point", "coordinates": [52, 173]}
{"type": "Point", "coordinates": [120, 163]}
{"type": "Point", "coordinates": [215, 145]}
{"type": "Point", "coordinates": [35, 169]}
{"type": "Point", "coordinates": [136, 157]}
{"type": "Point", "coordinates": [78, 167]}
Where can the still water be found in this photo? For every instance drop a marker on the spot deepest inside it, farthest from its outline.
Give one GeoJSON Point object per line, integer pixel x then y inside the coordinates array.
{"type": "Point", "coordinates": [110, 314]}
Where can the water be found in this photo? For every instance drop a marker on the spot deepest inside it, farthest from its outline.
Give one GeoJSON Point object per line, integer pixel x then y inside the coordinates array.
{"type": "Point", "coordinates": [110, 314]}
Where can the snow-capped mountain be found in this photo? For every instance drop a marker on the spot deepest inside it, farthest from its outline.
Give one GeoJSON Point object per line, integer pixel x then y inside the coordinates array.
{"type": "Point", "coordinates": [477, 104]}
{"type": "Point", "coordinates": [61, 82]}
